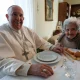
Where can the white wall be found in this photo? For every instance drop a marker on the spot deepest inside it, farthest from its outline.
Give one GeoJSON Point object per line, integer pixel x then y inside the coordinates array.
{"type": "Point", "coordinates": [45, 28]}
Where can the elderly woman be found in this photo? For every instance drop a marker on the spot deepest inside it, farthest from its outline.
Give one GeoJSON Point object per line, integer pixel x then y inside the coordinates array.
{"type": "Point", "coordinates": [70, 37]}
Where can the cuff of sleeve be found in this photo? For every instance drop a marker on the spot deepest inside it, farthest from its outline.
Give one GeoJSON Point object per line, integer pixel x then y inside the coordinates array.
{"type": "Point", "coordinates": [51, 47]}
{"type": "Point", "coordinates": [11, 65]}
{"type": "Point", "coordinates": [23, 70]}
{"type": "Point", "coordinates": [48, 46]}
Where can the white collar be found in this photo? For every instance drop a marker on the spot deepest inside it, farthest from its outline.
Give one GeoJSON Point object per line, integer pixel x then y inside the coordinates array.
{"type": "Point", "coordinates": [14, 29]}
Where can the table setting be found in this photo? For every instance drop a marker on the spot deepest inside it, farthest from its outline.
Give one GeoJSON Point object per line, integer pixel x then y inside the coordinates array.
{"type": "Point", "coordinates": [47, 57]}
{"type": "Point", "coordinates": [64, 67]}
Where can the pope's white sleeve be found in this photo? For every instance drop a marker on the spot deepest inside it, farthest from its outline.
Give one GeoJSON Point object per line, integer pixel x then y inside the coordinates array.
{"type": "Point", "coordinates": [23, 70]}
{"type": "Point", "coordinates": [42, 44]}
{"type": "Point", "coordinates": [9, 66]}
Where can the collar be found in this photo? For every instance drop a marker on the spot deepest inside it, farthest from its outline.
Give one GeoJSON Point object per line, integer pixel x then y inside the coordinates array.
{"type": "Point", "coordinates": [73, 39]}
{"type": "Point", "coordinates": [14, 29]}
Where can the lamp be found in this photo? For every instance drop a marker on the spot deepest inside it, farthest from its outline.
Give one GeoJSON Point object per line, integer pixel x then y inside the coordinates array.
{"type": "Point", "coordinates": [59, 25]}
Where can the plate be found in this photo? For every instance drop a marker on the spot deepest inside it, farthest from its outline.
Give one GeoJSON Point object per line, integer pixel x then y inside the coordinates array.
{"type": "Point", "coordinates": [48, 62]}
{"type": "Point", "coordinates": [46, 56]}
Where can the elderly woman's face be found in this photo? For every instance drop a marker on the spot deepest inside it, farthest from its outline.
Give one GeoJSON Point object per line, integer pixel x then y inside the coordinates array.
{"type": "Point", "coordinates": [71, 30]}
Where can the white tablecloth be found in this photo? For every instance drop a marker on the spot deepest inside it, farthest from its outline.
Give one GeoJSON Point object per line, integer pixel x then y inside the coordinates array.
{"type": "Point", "coordinates": [58, 73]}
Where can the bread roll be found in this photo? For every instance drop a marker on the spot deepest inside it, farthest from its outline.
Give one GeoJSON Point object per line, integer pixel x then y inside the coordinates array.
{"type": "Point", "coordinates": [77, 54]}
{"type": "Point", "coordinates": [69, 51]}
{"type": "Point", "coordinates": [74, 54]}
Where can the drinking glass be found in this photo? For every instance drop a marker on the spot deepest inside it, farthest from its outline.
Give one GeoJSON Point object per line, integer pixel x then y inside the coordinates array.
{"type": "Point", "coordinates": [70, 69]}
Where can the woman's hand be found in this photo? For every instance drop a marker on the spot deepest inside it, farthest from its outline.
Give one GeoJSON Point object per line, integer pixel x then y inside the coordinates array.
{"type": "Point", "coordinates": [40, 70]}
{"type": "Point", "coordinates": [58, 48]}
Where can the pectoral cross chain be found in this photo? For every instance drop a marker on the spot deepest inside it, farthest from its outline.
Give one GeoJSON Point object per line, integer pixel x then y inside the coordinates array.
{"type": "Point", "coordinates": [25, 54]}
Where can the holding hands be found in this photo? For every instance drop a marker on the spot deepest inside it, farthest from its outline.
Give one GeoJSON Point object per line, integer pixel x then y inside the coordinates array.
{"type": "Point", "coordinates": [58, 48]}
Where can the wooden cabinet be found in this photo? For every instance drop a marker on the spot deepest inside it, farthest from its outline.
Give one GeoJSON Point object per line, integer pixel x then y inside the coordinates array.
{"type": "Point", "coordinates": [75, 10]}
{"type": "Point", "coordinates": [63, 11]}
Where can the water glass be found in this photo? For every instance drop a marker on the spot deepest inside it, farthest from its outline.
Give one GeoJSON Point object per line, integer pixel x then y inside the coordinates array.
{"type": "Point", "coordinates": [70, 69]}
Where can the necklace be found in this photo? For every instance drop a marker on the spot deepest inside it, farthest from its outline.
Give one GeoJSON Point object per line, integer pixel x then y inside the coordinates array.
{"type": "Point", "coordinates": [25, 53]}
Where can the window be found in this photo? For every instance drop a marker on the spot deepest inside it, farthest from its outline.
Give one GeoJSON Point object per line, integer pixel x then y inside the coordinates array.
{"type": "Point", "coordinates": [27, 6]}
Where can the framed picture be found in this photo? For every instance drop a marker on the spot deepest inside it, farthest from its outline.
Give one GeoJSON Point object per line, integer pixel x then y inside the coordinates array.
{"type": "Point", "coordinates": [48, 10]}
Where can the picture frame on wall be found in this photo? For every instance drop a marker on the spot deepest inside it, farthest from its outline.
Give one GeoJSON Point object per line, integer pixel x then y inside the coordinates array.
{"type": "Point", "coordinates": [48, 10]}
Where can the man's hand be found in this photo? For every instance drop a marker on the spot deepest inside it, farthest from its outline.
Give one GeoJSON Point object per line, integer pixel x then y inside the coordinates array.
{"type": "Point", "coordinates": [40, 70]}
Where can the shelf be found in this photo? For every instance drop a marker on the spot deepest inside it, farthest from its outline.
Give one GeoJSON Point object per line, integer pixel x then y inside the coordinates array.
{"type": "Point", "coordinates": [75, 10]}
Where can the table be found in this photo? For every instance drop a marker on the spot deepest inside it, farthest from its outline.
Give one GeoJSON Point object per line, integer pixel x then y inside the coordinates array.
{"type": "Point", "coordinates": [58, 73]}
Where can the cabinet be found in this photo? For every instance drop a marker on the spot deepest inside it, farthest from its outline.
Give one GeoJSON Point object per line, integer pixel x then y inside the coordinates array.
{"type": "Point", "coordinates": [63, 11]}
{"type": "Point", "coordinates": [75, 10]}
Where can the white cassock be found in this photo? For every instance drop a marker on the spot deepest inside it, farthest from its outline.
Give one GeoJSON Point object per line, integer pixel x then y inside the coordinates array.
{"type": "Point", "coordinates": [13, 44]}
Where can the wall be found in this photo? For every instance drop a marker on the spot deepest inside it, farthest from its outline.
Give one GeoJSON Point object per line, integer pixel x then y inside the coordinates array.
{"type": "Point", "coordinates": [45, 28]}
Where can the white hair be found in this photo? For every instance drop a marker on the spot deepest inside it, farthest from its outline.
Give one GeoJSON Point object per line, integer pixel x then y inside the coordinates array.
{"type": "Point", "coordinates": [71, 20]}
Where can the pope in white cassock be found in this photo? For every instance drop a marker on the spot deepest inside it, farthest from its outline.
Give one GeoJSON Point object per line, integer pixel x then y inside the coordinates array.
{"type": "Point", "coordinates": [18, 44]}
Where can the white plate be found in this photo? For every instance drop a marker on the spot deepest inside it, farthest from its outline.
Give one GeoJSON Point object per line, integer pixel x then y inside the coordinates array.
{"type": "Point", "coordinates": [50, 62]}
{"type": "Point", "coordinates": [46, 56]}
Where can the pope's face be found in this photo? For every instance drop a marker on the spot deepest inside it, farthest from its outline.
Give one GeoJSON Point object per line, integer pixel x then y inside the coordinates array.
{"type": "Point", "coordinates": [15, 17]}
{"type": "Point", "coordinates": [71, 30]}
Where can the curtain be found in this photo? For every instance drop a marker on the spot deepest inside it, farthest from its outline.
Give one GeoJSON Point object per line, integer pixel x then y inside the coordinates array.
{"type": "Point", "coordinates": [27, 6]}
{"type": "Point", "coordinates": [3, 10]}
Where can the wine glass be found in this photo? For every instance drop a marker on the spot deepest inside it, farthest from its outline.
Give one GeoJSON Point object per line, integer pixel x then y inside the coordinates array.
{"type": "Point", "coordinates": [70, 69]}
